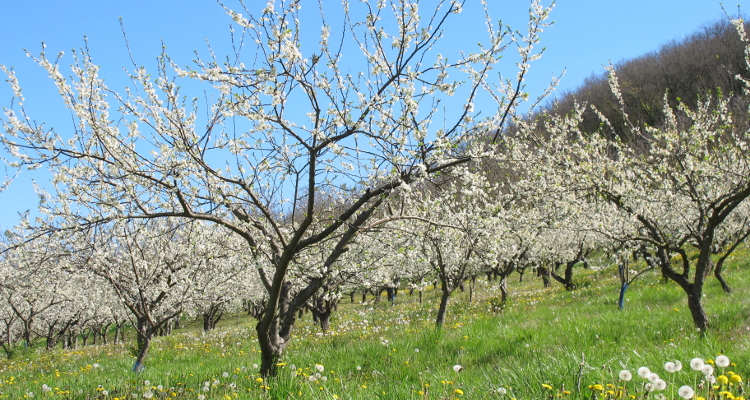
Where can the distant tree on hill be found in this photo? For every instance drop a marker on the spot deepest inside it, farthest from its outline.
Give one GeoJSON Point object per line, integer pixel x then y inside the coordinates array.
{"type": "Point", "coordinates": [705, 62]}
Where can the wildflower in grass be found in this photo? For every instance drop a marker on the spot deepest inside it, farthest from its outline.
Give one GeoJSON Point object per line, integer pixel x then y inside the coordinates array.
{"type": "Point", "coordinates": [46, 388]}
{"type": "Point", "coordinates": [644, 372]}
{"type": "Point", "coordinates": [457, 368]}
{"type": "Point", "coordinates": [148, 394]}
{"type": "Point", "coordinates": [722, 379]}
{"type": "Point", "coordinates": [697, 364]}
{"type": "Point", "coordinates": [722, 361]}
{"type": "Point", "coordinates": [225, 374]}
{"type": "Point", "coordinates": [707, 370]}
{"type": "Point", "coordinates": [146, 383]}
{"type": "Point", "coordinates": [735, 378]}
{"type": "Point", "coordinates": [597, 387]}
{"type": "Point", "coordinates": [201, 397]}
{"type": "Point", "coordinates": [319, 367]}
{"type": "Point", "coordinates": [652, 377]}
{"type": "Point", "coordinates": [660, 384]}
{"type": "Point", "coordinates": [105, 393]}
{"type": "Point", "coordinates": [686, 392]}
{"type": "Point", "coordinates": [670, 367]}
{"type": "Point", "coordinates": [205, 389]}
{"type": "Point", "coordinates": [677, 366]}
{"type": "Point", "coordinates": [416, 350]}
{"type": "Point", "coordinates": [312, 378]}
{"type": "Point", "coordinates": [547, 386]}
{"type": "Point", "coordinates": [359, 368]}
{"type": "Point", "coordinates": [459, 392]}
{"type": "Point", "coordinates": [501, 391]}
{"type": "Point", "coordinates": [625, 375]}
{"type": "Point", "coordinates": [649, 387]}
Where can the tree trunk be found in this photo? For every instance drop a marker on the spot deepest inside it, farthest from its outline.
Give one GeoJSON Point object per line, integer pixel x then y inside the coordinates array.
{"type": "Point", "coordinates": [720, 278]}
{"type": "Point", "coordinates": [503, 291]}
{"type": "Point", "coordinates": [325, 321]}
{"type": "Point", "coordinates": [143, 345]}
{"type": "Point", "coordinates": [621, 301]}
{"type": "Point", "coordinates": [104, 331]}
{"type": "Point", "coordinates": [700, 318]}
{"type": "Point", "coordinates": [443, 308]}
{"type": "Point", "coordinates": [145, 334]}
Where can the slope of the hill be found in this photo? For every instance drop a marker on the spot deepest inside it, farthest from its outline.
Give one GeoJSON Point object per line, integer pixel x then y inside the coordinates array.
{"type": "Point", "coordinates": [548, 343]}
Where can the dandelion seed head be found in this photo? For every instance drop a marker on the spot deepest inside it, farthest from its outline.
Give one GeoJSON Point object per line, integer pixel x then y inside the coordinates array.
{"type": "Point", "coordinates": [686, 392]}
{"type": "Point", "coordinates": [669, 367]}
{"type": "Point", "coordinates": [722, 361]}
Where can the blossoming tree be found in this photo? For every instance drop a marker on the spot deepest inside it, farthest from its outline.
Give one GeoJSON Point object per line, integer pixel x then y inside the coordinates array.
{"type": "Point", "coordinates": [368, 107]}
{"type": "Point", "coordinates": [676, 190]}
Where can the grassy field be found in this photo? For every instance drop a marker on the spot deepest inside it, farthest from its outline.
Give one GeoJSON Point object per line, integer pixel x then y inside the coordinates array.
{"type": "Point", "coordinates": [547, 344]}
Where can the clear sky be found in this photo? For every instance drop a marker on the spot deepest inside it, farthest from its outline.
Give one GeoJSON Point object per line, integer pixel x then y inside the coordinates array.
{"type": "Point", "coordinates": [586, 35]}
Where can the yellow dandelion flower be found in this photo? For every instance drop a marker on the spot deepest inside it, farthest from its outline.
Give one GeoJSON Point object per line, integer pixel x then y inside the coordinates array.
{"type": "Point", "coordinates": [546, 386]}
{"type": "Point", "coordinates": [459, 392]}
{"type": "Point", "coordinates": [722, 379]}
{"type": "Point", "coordinates": [736, 378]}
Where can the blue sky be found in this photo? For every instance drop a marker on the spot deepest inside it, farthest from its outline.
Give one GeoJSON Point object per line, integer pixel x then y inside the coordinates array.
{"type": "Point", "coordinates": [586, 35]}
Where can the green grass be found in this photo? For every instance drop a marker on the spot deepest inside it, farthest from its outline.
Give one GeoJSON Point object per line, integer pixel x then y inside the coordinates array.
{"type": "Point", "coordinates": [547, 344]}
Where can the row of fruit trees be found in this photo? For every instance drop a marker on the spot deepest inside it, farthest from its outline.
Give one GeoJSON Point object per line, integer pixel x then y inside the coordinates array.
{"type": "Point", "coordinates": [369, 161]}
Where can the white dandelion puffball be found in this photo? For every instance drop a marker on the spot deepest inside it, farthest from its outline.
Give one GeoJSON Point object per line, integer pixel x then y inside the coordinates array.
{"type": "Point", "coordinates": [722, 361]}
{"type": "Point", "coordinates": [319, 367]}
{"type": "Point", "coordinates": [660, 384]}
{"type": "Point", "coordinates": [697, 364]}
{"type": "Point", "coordinates": [644, 372]}
{"type": "Point", "coordinates": [677, 366]}
{"type": "Point", "coordinates": [686, 392]}
{"type": "Point", "coordinates": [707, 370]}
{"type": "Point", "coordinates": [670, 367]}
{"type": "Point", "coordinates": [457, 368]}
{"type": "Point", "coordinates": [625, 375]}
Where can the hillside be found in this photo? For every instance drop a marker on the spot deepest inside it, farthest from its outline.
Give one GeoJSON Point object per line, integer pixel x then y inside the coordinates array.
{"type": "Point", "coordinates": [548, 343]}
{"type": "Point", "coordinates": [702, 64]}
